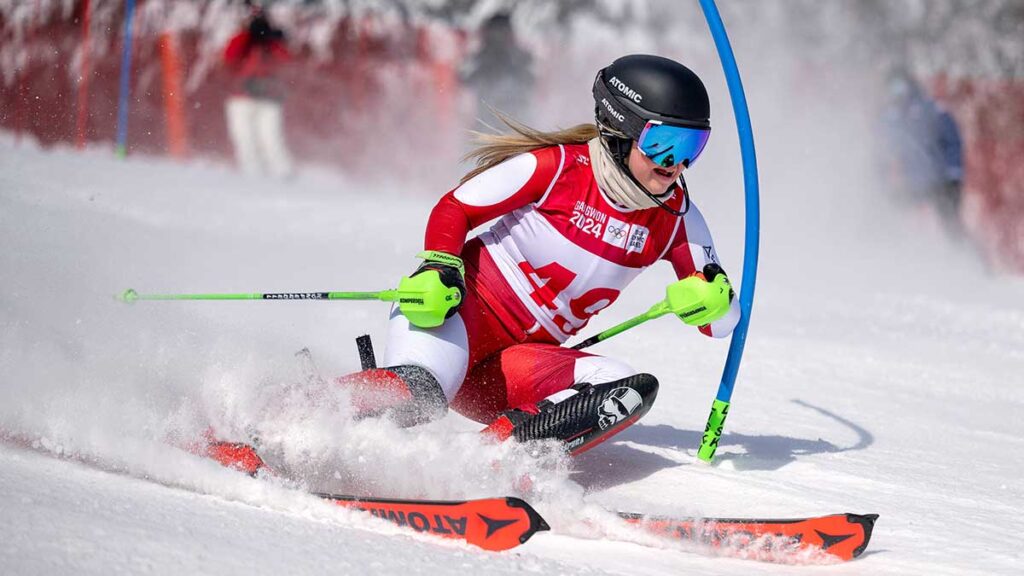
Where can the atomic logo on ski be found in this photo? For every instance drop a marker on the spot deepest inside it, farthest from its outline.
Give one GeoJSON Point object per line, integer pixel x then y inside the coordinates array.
{"type": "Point", "coordinates": [481, 522]}
{"type": "Point", "coordinates": [844, 536]}
{"type": "Point", "coordinates": [828, 540]}
{"type": "Point", "coordinates": [493, 525]}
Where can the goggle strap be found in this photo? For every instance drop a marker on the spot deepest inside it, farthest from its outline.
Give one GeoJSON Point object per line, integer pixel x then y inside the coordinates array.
{"type": "Point", "coordinates": [632, 123]}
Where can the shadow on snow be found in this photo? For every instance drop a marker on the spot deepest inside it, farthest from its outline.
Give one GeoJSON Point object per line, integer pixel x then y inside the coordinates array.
{"type": "Point", "coordinates": [617, 463]}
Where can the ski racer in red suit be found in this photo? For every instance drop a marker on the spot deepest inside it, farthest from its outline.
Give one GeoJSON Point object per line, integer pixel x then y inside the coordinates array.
{"type": "Point", "coordinates": [254, 114]}
{"type": "Point", "coordinates": [581, 213]}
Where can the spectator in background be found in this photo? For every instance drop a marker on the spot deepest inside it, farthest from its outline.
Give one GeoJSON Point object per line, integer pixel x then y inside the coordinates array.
{"type": "Point", "coordinates": [499, 71]}
{"type": "Point", "coordinates": [925, 152]}
{"type": "Point", "coordinates": [255, 120]}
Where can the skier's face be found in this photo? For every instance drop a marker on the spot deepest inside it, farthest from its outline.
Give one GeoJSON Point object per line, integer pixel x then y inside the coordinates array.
{"type": "Point", "coordinates": [656, 179]}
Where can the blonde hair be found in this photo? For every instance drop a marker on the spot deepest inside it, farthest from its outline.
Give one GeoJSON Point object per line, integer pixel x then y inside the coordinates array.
{"type": "Point", "coordinates": [493, 149]}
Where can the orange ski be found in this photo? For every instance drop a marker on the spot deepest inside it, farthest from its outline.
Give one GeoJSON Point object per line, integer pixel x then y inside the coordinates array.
{"type": "Point", "coordinates": [492, 523]}
{"type": "Point", "coordinates": [844, 536]}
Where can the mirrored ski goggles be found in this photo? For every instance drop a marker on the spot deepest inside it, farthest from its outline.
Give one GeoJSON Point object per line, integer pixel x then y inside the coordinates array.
{"type": "Point", "coordinates": [668, 145]}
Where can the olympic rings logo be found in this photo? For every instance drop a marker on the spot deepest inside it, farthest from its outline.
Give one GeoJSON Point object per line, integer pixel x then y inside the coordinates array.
{"type": "Point", "coordinates": [616, 233]}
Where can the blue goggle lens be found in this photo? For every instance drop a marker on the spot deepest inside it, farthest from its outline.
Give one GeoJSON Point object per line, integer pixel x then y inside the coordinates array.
{"type": "Point", "coordinates": [668, 145]}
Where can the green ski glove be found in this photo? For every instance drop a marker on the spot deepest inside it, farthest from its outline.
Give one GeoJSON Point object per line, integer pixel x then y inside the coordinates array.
{"type": "Point", "coordinates": [698, 301]}
{"type": "Point", "coordinates": [435, 291]}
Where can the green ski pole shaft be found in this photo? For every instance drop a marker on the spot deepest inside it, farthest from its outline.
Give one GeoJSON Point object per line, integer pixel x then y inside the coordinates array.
{"type": "Point", "coordinates": [131, 295]}
{"type": "Point", "coordinates": [614, 330]}
{"type": "Point", "coordinates": [659, 309]}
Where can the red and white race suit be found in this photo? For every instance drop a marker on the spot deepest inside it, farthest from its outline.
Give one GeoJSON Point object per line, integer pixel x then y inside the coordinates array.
{"type": "Point", "coordinates": [560, 253]}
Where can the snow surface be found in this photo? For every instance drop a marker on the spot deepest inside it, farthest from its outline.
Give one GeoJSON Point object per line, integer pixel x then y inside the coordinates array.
{"type": "Point", "coordinates": [883, 374]}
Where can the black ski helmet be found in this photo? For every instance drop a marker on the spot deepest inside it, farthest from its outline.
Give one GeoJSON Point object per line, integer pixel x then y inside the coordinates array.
{"type": "Point", "coordinates": [641, 87]}
{"type": "Point", "coordinates": [637, 88]}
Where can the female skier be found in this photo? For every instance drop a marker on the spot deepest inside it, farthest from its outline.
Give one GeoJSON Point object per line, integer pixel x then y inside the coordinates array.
{"type": "Point", "coordinates": [582, 212]}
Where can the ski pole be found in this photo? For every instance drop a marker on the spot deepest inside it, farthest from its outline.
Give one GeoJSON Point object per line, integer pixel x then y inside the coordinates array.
{"type": "Point", "coordinates": [425, 304]}
{"type": "Point", "coordinates": [124, 93]}
{"type": "Point", "coordinates": [131, 295]}
{"type": "Point", "coordinates": [659, 309]}
{"type": "Point", "coordinates": [723, 398]}
{"type": "Point", "coordinates": [677, 301]}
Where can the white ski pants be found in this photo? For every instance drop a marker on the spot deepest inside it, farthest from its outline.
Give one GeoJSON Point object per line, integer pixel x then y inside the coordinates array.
{"type": "Point", "coordinates": [256, 127]}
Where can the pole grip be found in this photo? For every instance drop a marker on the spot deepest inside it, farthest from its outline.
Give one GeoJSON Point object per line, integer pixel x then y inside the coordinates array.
{"type": "Point", "coordinates": [713, 430]}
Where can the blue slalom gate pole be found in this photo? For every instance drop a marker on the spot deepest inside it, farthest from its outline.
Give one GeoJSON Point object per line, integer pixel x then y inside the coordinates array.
{"type": "Point", "coordinates": [126, 73]}
{"type": "Point", "coordinates": [720, 407]}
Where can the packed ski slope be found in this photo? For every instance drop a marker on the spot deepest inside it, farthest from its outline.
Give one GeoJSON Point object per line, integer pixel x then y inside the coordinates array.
{"type": "Point", "coordinates": [883, 374]}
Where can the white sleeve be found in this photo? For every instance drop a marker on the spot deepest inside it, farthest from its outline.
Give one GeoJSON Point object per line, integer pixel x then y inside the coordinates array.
{"type": "Point", "coordinates": [701, 251]}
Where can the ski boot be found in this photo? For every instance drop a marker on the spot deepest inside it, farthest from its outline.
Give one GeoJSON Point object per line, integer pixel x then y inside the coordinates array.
{"type": "Point", "coordinates": [582, 416]}
{"type": "Point", "coordinates": [237, 455]}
